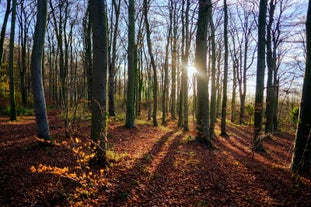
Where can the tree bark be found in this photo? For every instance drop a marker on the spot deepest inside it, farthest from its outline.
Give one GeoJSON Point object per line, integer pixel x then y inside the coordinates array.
{"type": "Point", "coordinates": [112, 65]}
{"type": "Point", "coordinates": [36, 72]}
{"type": "Point", "coordinates": [87, 30]}
{"type": "Point", "coordinates": [257, 140]}
{"type": "Point", "coordinates": [130, 116]}
{"type": "Point", "coordinates": [3, 29]}
{"type": "Point", "coordinates": [99, 84]}
{"type": "Point", "coordinates": [202, 79]}
{"type": "Point", "coordinates": [269, 128]}
{"type": "Point", "coordinates": [11, 64]}
{"type": "Point", "coordinates": [165, 86]}
{"type": "Point", "coordinates": [213, 72]}
{"type": "Point", "coordinates": [174, 60]}
{"type": "Point", "coordinates": [224, 100]}
{"type": "Point", "coordinates": [302, 150]}
{"type": "Point", "coordinates": [153, 64]}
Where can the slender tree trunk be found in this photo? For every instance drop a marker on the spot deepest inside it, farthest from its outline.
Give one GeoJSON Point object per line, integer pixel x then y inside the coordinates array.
{"type": "Point", "coordinates": [130, 116]}
{"type": "Point", "coordinates": [23, 69]}
{"type": "Point", "coordinates": [224, 100]}
{"type": "Point", "coordinates": [11, 64]}
{"type": "Point", "coordinates": [174, 61]}
{"type": "Point", "coordinates": [165, 87]}
{"type": "Point", "coordinates": [149, 92]}
{"type": "Point", "coordinates": [202, 79]}
{"type": "Point", "coordinates": [213, 74]}
{"type": "Point", "coordinates": [276, 101]}
{"type": "Point", "coordinates": [87, 52]}
{"type": "Point", "coordinates": [153, 64]}
{"type": "Point", "coordinates": [3, 29]}
{"type": "Point", "coordinates": [270, 90]}
{"type": "Point", "coordinates": [112, 66]}
{"type": "Point", "coordinates": [36, 72]}
{"type": "Point", "coordinates": [99, 84]}
{"type": "Point", "coordinates": [257, 141]}
{"type": "Point", "coordinates": [233, 96]}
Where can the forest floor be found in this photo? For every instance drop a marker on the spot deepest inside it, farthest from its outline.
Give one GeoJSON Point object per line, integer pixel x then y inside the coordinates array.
{"type": "Point", "coordinates": [149, 166]}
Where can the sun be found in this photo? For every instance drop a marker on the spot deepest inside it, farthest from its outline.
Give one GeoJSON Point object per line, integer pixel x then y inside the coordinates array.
{"type": "Point", "coordinates": [191, 70]}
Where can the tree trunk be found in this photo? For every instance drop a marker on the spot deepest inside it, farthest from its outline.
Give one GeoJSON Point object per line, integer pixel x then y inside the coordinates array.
{"type": "Point", "coordinates": [11, 64]}
{"type": "Point", "coordinates": [174, 61]}
{"type": "Point", "coordinates": [130, 116]}
{"type": "Point", "coordinates": [153, 64]}
{"type": "Point", "coordinates": [22, 52]}
{"type": "Point", "coordinates": [87, 52]}
{"type": "Point", "coordinates": [224, 100]}
{"type": "Point", "coordinates": [213, 74]}
{"type": "Point", "coordinates": [257, 141]}
{"type": "Point", "coordinates": [3, 29]}
{"type": "Point", "coordinates": [202, 79]}
{"type": "Point", "coordinates": [36, 72]}
{"type": "Point", "coordinates": [233, 96]}
{"type": "Point", "coordinates": [165, 86]}
{"type": "Point", "coordinates": [112, 65]}
{"type": "Point", "coordinates": [99, 84]}
{"type": "Point", "coordinates": [270, 64]}
{"type": "Point", "coordinates": [302, 150]}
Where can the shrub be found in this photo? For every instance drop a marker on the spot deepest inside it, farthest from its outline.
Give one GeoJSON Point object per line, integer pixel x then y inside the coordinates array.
{"type": "Point", "coordinates": [294, 114]}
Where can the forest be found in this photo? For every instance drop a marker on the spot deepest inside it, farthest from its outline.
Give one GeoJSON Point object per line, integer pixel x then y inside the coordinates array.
{"type": "Point", "coordinates": [155, 103]}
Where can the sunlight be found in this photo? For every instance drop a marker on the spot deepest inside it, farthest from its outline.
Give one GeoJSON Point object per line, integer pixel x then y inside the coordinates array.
{"type": "Point", "coordinates": [191, 70]}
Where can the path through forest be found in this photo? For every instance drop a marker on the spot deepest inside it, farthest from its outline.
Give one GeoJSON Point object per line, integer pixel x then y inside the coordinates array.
{"type": "Point", "coordinates": [150, 166]}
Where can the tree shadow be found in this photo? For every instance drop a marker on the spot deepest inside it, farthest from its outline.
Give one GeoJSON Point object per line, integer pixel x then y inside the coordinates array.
{"type": "Point", "coordinates": [272, 178]}
{"type": "Point", "coordinates": [130, 179]}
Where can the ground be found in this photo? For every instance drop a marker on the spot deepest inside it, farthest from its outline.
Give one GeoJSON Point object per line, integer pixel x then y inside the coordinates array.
{"type": "Point", "coordinates": [149, 166]}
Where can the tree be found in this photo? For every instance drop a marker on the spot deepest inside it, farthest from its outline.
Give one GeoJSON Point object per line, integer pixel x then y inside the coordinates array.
{"type": "Point", "coordinates": [302, 150]}
{"type": "Point", "coordinates": [165, 86]}
{"type": "Point", "coordinates": [130, 116]}
{"type": "Point", "coordinates": [258, 116]}
{"type": "Point", "coordinates": [112, 63]}
{"type": "Point", "coordinates": [153, 64]}
{"type": "Point", "coordinates": [87, 41]}
{"type": "Point", "coordinates": [3, 29]}
{"type": "Point", "coordinates": [11, 64]}
{"type": "Point", "coordinates": [36, 72]}
{"type": "Point", "coordinates": [202, 79]}
{"type": "Point", "coordinates": [241, 32]}
{"type": "Point", "coordinates": [25, 17]}
{"type": "Point", "coordinates": [224, 100]}
{"type": "Point", "coordinates": [213, 70]}
{"type": "Point", "coordinates": [174, 58]}
{"type": "Point", "coordinates": [60, 16]}
{"type": "Point", "coordinates": [271, 63]}
{"type": "Point", "coordinates": [99, 79]}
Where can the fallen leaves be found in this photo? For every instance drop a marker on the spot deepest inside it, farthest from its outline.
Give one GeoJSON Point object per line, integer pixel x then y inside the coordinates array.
{"type": "Point", "coordinates": [150, 166]}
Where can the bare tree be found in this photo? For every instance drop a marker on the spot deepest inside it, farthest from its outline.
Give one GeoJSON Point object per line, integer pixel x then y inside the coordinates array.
{"type": "Point", "coordinates": [301, 159]}
{"type": "Point", "coordinates": [130, 116]}
{"type": "Point", "coordinates": [99, 83]}
{"type": "Point", "coordinates": [213, 69]}
{"type": "Point", "coordinates": [36, 72]}
{"type": "Point", "coordinates": [201, 65]}
{"type": "Point", "coordinates": [257, 141]}
{"type": "Point", "coordinates": [166, 63]}
{"type": "Point", "coordinates": [113, 56]}
{"type": "Point", "coordinates": [11, 64]}
{"type": "Point", "coordinates": [3, 29]}
{"type": "Point", "coordinates": [25, 17]}
{"type": "Point", "coordinates": [302, 150]}
{"type": "Point", "coordinates": [153, 64]}
{"type": "Point", "coordinates": [224, 100]}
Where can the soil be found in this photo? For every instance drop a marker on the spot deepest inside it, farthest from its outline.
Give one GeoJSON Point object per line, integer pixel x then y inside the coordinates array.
{"type": "Point", "coordinates": [149, 166]}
